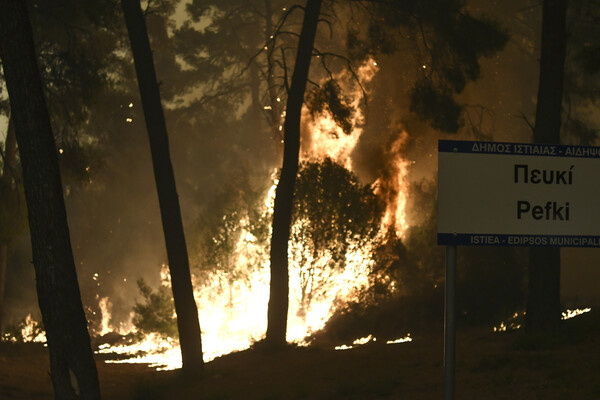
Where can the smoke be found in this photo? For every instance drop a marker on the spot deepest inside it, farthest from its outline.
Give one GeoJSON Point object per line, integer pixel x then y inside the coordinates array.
{"type": "Point", "coordinates": [222, 156]}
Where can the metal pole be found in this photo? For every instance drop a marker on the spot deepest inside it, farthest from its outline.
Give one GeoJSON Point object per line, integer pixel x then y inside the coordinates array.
{"type": "Point", "coordinates": [450, 324]}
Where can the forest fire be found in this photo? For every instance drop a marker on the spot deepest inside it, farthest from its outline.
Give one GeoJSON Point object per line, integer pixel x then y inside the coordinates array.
{"type": "Point", "coordinates": [515, 322]}
{"type": "Point", "coordinates": [393, 187]}
{"type": "Point", "coordinates": [371, 338]}
{"type": "Point", "coordinates": [28, 330]}
{"type": "Point", "coordinates": [568, 313]}
{"type": "Point", "coordinates": [233, 311]}
{"type": "Point", "coordinates": [226, 183]}
{"type": "Point", "coordinates": [325, 137]}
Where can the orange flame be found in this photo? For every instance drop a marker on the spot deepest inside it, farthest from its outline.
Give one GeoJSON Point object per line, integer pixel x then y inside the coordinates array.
{"type": "Point", "coordinates": [233, 312]}
{"type": "Point", "coordinates": [326, 138]}
{"type": "Point", "coordinates": [392, 185]}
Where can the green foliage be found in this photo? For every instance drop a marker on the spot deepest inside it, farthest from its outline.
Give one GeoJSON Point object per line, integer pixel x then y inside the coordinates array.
{"type": "Point", "coordinates": [411, 267]}
{"type": "Point", "coordinates": [76, 42]}
{"type": "Point", "coordinates": [220, 54]}
{"type": "Point", "coordinates": [156, 314]}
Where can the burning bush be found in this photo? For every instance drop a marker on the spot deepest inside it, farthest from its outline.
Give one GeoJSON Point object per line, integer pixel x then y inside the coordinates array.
{"type": "Point", "coordinates": [26, 330]}
{"type": "Point", "coordinates": [156, 313]}
{"type": "Point", "coordinates": [333, 213]}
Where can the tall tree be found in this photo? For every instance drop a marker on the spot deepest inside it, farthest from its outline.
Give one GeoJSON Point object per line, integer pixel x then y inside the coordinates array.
{"type": "Point", "coordinates": [75, 49]}
{"type": "Point", "coordinates": [7, 194]}
{"type": "Point", "coordinates": [177, 254]}
{"type": "Point", "coordinates": [73, 370]}
{"type": "Point", "coordinates": [447, 65]}
{"type": "Point", "coordinates": [581, 86]}
{"type": "Point", "coordinates": [240, 53]}
{"type": "Point", "coordinates": [284, 194]}
{"type": "Point", "coordinates": [543, 306]}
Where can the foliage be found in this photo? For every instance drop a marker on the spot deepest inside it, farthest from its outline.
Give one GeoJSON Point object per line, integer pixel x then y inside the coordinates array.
{"type": "Point", "coordinates": [157, 311]}
{"type": "Point", "coordinates": [329, 97]}
{"type": "Point", "coordinates": [582, 64]}
{"type": "Point", "coordinates": [76, 43]}
{"type": "Point", "coordinates": [446, 44]}
{"type": "Point", "coordinates": [436, 106]}
{"type": "Point", "coordinates": [407, 281]}
{"type": "Point", "coordinates": [335, 209]}
{"type": "Point", "coordinates": [332, 214]}
{"type": "Point", "coordinates": [580, 132]}
{"type": "Point", "coordinates": [233, 49]}
{"type": "Point", "coordinates": [234, 221]}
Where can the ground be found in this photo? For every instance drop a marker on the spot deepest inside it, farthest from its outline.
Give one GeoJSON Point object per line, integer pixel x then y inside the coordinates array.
{"type": "Point", "coordinates": [510, 365]}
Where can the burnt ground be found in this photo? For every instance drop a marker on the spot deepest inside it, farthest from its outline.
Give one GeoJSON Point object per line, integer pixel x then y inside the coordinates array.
{"type": "Point", "coordinates": [489, 365]}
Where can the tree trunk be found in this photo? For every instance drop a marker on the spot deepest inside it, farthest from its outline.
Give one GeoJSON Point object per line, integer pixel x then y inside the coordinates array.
{"type": "Point", "coordinates": [10, 151]}
{"type": "Point", "coordinates": [282, 213]}
{"type": "Point", "coordinates": [73, 370]}
{"type": "Point", "coordinates": [183, 293]}
{"type": "Point", "coordinates": [3, 265]}
{"type": "Point", "coordinates": [543, 306]}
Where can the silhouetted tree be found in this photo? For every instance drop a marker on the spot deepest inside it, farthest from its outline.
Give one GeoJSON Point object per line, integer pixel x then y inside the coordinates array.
{"type": "Point", "coordinates": [241, 57]}
{"type": "Point", "coordinates": [543, 305]}
{"type": "Point", "coordinates": [9, 210]}
{"type": "Point", "coordinates": [443, 43]}
{"type": "Point", "coordinates": [449, 45]}
{"type": "Point", "coordinates": [73, 370]}
{"type": "Point", "coordinates": [581, 84]}
{"type": "Point", "coordinates": [284, 195]}
{"type": "Point", "coordinates": [183, 294]}
{"type": "Point", "coordinates": [156, 313]}
{"type": "Point", "coordinates": [74, 53]}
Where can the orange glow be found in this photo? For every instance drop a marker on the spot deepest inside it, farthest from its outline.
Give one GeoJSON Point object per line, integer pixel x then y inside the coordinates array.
{"type": "Point", "coordinates": [326, 138]}
{"type": "Point", "coordinates": [392, 186]}
{"type": "Point", "coordinates": [233, 311]}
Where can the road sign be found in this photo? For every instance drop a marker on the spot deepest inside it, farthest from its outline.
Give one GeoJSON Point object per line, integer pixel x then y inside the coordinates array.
{"type": "Point", "coordinates": [518, 194]}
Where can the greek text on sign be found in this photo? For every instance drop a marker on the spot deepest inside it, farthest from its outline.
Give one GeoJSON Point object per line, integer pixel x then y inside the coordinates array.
{"type": "Point", "coordinates": [518, 194]}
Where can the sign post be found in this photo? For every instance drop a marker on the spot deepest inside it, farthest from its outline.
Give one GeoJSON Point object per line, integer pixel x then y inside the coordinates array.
{"type": "Point", "coordinates": [450, 323]}
{"type": "Point", "coordinates": [512, 194]}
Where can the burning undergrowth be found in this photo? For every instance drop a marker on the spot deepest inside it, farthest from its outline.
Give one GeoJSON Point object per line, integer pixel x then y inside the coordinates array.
{"type": "Point", "coordinates": [338, 226]}
{"type": "Point", "coordinates": [343, 242]}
